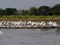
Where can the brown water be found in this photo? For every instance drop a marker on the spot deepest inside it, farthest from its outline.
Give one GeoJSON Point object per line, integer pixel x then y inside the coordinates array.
{"type": "Point", "coordinates": [30, 37]}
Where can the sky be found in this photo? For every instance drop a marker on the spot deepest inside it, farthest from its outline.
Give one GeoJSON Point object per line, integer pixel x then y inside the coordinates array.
{"type": "Point", "coordinates": [26, 4]}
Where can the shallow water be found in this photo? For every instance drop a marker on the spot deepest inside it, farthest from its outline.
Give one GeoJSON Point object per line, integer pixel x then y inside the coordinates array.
{"type": "Point", "coordinates": [30, 37]}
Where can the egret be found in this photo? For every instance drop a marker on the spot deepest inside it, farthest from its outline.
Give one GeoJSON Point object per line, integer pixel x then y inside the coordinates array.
{"type": "Point", "coordinates": [54, 24]}
{"type": "Point", "coordinates": [50, 23]}
{"type": "Point", "coordinates": [29, 22]}
{"type": "Point", "coordinates": [42, 23]}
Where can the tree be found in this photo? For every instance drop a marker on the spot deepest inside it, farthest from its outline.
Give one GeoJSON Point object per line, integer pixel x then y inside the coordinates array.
{"type": "Point", "coordinates": [56, 9]}
{"type": "Point", "coordinates": [24, 12]}
{"type": "Point", "coordinates": [44, 10]}
{"type": "Point", "coordinates": [33, 11]}
{"type": "Point", "coordinates": [50, 12]}
{"type": "Point", "coordinates": [11, 11]}
{"type": "Point", "coordinates": [2, 11]}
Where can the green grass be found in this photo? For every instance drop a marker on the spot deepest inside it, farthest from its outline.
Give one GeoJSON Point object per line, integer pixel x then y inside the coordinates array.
{"type": "Point", "coordinates": [22, 16]}
{"type": "Point", "coordinates": [29, 17]}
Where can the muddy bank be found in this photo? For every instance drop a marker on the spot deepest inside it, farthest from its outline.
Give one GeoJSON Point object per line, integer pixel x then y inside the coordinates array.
{"type": "Point", "coordinates": [32, 19]}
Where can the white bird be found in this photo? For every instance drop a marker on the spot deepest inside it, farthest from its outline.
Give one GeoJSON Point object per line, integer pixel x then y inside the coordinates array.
{"type": "Point", "coordinates": [50, 23]}
{"type": "Point", "coordinates": [0, 32]}
{"type": "Point", "coordinates": [54, 24]}
{"type": "Point", "coordinates": [42, 23]}
{"type": "Point", "coordinates": [1, 23]}
{"type": "Point", "coordinates": [29, 22]}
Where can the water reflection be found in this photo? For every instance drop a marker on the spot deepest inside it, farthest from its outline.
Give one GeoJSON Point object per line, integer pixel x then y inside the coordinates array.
{"type": "Point", "coordinates": [58, 30]}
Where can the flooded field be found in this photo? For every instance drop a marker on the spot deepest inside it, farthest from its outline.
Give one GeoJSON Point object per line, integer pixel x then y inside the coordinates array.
{"type": "Point", "coordinates": [30, 37]}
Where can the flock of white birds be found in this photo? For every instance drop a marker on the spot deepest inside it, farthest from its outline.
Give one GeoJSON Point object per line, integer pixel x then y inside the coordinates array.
{"type": "Point", "coordinates": [26, 23]}
{"type": "Point", "coordinates": [30, 23]}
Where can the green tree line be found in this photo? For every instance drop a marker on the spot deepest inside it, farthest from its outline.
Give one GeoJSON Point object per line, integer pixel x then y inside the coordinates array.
{"type": "Point", "coordinates": [42, 11]}
{"type": "Point", "coordinates": [8, 11]}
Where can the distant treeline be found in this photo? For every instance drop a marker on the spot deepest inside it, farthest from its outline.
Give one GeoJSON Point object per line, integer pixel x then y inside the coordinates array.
{"type": "Point", "coordinates": [42, 11]}
{"type": "Point", "coordinates": [8, 11]}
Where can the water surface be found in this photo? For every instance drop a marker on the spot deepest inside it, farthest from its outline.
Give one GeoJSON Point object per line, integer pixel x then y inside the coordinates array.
{"type": "Point", "coordinates": [30, 37]}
